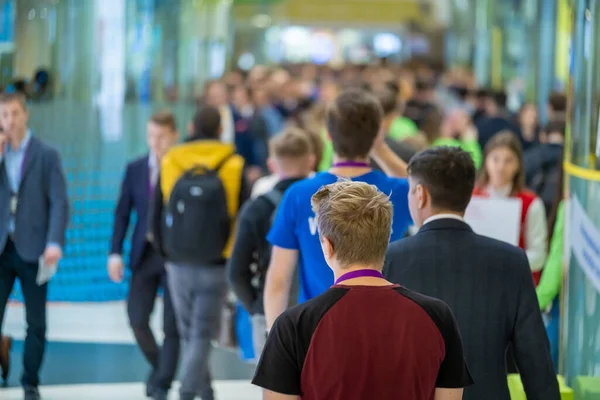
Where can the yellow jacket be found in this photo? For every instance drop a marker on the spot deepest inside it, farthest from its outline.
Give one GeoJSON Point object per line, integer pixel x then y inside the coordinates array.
{"type": "Point", "coordinates": [210, 153]}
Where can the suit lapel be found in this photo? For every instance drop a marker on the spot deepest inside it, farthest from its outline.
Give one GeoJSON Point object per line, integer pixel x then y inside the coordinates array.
{"type": "Point", "coordinates": [31, 153]}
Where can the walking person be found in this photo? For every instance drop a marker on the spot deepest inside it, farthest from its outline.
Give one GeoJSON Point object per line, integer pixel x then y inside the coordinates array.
{"type": "Point", "coordinates": [200, 189]}
{"type": "Point", "coordinates": [486, 283]}
{"type": "Point", "coordinates": [34, 212]}
{"type": "Point", "coordinates": [291, 159]}
{"type": "Point", "coordinates": [148, 272]}
{"type": "Point", "coordinates": [364, 338]}
{"type": "Point", "coordinates": [354, 124]}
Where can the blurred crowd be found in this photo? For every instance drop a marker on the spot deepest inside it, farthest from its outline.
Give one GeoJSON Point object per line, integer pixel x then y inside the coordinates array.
{"type": "Point", "coordinates": [423, 108]}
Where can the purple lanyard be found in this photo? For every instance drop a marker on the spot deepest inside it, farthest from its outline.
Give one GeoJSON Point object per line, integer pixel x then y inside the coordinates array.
{"type": "Point", "coordinates": [359, 273]}
{"type": "Point", "coordinates": [350, 164]}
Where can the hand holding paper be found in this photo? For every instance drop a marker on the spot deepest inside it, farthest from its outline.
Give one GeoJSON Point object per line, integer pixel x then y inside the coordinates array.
{"type": "Point", "coordinates": [52, 255]}
{"type": "Point", "coordinates": [48, 264]}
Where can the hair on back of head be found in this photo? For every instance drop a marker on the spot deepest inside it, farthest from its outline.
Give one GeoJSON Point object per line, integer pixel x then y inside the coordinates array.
{"type": "Point", "coordinates": [207, 123]}
{"type": "Point", "coordinates": [164, 118]}
{"type": "Point", "coordinates": [388, 100]}
{"type": "Point", "coordinates": [357, 219]}
{"type": "Point", "coordinates": [292, 143]}
{"type": "Point", "coordinates": [353, 122]}
{"type": "Point", "coordinates": [448, 174]}
{"type": "Point", "coordinates": [558, 102]}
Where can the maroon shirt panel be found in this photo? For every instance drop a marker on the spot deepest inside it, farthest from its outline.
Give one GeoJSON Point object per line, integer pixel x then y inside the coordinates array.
{"type": "Point", "coordinates": [373, 326]}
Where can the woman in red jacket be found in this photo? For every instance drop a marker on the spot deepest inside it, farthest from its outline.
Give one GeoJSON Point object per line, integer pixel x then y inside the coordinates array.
{"type": "Point", "coordinates": [503, 176]}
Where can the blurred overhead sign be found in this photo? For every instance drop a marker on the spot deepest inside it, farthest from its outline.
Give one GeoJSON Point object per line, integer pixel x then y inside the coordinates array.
{"type": "Point", "coordinates": [355, 12]}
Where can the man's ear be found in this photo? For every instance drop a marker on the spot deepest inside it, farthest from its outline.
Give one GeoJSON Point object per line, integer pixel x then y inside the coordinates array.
{"type": "Point", "coordinates": [327, 246]}
{"type": "Point", "coordinates": [272, 165]}
{"type": "Point", "coordinates": [422, 196]}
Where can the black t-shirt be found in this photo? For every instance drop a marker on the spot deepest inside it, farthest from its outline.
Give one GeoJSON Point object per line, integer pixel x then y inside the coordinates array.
{"type": "Point", "coordinates": [364, 342]}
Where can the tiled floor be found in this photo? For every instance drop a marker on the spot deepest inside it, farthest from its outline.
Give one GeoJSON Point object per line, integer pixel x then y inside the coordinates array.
{"type": "Point", "coordinates": [225, 390]}
{"type": "Point", "coordinates": [91, 355]}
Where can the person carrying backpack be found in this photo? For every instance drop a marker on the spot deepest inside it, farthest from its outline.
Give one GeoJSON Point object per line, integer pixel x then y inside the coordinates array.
{"type": "Point", "coordinates": [200, 190]}
{"type": "Point", "coordinates": [292, 159]}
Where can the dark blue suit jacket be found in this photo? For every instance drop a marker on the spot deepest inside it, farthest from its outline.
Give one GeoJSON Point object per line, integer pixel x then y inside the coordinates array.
{"type": "Point", "coordinates": [43, 211]}
{"type": "Point", "coordinates": [134, 196]}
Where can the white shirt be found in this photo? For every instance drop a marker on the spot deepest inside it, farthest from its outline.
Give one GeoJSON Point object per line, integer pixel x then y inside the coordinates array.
{"type": "Point", "coordinates": [536, 228]}
{"type": "Point", "coordinates": [228, 133]}
{"type": "Point", "coordinates": [443, 216]}
{"type": "Point", "coordinates": [264, 185]}
{"type": "Point", "coordinates": [267, 183]}
{"type": "Point", "coordinates": [153, 169]}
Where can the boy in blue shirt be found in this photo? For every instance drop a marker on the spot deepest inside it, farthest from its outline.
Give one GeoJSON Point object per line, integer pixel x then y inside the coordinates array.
{"type": "Point", "coordinates": [354, 124]}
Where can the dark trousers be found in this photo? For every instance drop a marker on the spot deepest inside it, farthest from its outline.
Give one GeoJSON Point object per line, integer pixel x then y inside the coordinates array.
{"type": "Point", "coordinates": [12, 266]}
{"type": "Point", "coordinates": [146, 278]}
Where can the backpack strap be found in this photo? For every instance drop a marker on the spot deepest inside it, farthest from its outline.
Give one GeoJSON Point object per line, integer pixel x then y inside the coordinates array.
{"type": "Point", "coordinates": [274, 197]}
{"type": "Point", "coordinates": [222, 163]}
{"type": "Point", "coordinates": [201, 169]}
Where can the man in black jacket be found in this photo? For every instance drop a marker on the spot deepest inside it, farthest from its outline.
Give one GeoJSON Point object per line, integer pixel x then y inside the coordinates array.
{"type": "Point", "coordinates": [292, 159]}
{"type": "Point", "coordinates": [486, 283]}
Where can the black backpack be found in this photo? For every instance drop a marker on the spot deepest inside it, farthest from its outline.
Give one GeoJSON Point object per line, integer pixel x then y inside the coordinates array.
{"type": "Point", "coordinates": [196, 220]}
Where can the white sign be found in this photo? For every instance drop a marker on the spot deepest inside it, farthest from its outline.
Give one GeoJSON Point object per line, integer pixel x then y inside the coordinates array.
{"type": "Point", "coordinates": [496, 218]}
{"type": "Point", "coordinates": [585, 242]}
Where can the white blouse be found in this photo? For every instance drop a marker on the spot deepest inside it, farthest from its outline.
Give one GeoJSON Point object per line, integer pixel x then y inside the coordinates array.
{"type": "Point", "coordinates": [536, 229]}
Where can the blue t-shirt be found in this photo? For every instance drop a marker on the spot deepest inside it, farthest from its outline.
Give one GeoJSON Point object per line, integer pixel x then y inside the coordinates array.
{"type": "Point", "coordinates": [295, 228]}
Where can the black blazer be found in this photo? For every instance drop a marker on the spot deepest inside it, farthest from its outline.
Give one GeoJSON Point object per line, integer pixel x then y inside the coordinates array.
{"type": "Point", "coordinates": [488, 286]}
{"type": "Point", "coordinates": [134, 196]}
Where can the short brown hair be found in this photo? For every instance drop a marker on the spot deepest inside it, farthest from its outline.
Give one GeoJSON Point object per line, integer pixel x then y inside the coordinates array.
{"type": "Point", "coordinates": [6, 98]}
{"type": "Point", "coordinates": [507, 140]}
{"type": "Point", "coordinates": [558, 102]}
{"type": "Point", "coordinates": [388, 100]}
{"type": "Point", "coordinates": [292, 143]}
{"type": "Point", "coordinates": [164, 118]}
{"type": "Point", "coordinates": [357, 218]}
{"type": "Point", "coordinates": [353, 122]}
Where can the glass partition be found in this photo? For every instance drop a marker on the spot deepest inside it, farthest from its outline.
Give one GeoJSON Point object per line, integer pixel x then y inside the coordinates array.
{"type": "Point", "coordinates": [94, 71]}
{"type": "Point", "coordinates": [581, 326]}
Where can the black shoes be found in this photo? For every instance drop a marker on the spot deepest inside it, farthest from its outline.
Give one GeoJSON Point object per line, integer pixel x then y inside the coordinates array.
{"type": "Point", "coordinates": [32, 393]}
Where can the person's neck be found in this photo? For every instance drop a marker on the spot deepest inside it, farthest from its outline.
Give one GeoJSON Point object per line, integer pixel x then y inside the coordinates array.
{"type": "Point", "coordinates": [284, 175]}
{"type": "Point", "coordinates": [350, 171]}
{"type": "Point", "coordinates": [502, 189]}
{"type": "Point", "coordinates": [360, 281]}
{"type": "Point", "coordinates": [17, 139]}
{"type": "Point", "coordinates": [556, 139]}
{"type": "Point", "coordinates": [434, 214]}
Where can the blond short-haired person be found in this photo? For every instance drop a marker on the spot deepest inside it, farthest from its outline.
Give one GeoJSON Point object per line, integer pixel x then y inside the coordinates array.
{"type": "Point", "coordinates": [364, 338]}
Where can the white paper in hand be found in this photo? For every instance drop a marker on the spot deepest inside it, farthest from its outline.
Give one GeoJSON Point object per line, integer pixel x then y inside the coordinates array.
{"type": "Point", "coordinates": [45, 272]}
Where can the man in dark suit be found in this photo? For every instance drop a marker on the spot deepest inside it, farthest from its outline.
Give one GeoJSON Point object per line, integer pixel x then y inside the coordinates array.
{"type": "Point", "coordinates": [486, 283]}
{"type": "Point", "coordinates": [148, 270]}
{"type": "Point", "coordinates": [34, 215]}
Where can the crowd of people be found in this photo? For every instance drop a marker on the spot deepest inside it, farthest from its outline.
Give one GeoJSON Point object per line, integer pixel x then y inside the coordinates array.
{"type": "Point", "coordinates": [287, 189]}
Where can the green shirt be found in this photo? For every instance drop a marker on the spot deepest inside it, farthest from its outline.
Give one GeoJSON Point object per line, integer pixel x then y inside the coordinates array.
{"type": "Point", "coordinates": [471, 146]}
{"type": "Point", "coordinates": [402, 128]}
{"type": "Point", "coordinates": [327, 156]}
{"type": "Point", "coordinates": [551, 280]}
